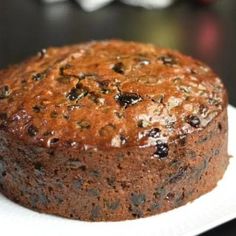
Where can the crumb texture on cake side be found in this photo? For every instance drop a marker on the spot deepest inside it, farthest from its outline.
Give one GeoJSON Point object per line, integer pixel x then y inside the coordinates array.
{"type": "Point", "coordinates": [110, 130]}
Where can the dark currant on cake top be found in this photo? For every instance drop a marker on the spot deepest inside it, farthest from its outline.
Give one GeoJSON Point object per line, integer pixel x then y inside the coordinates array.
{"type": "Point", "coordinates": [154, 133]}
{"type": "Point", "coordinates": [194, 121]}
{"type": "Point", "coordinates": [128, 99]}
{"type": "Point", "coordinates": [77, 93]}
{"type": "Point", "coordinates": [4, 92]}
{"type": "Point", "coordinates": [168, 60]}
{"type": "Point", "coordinates": [118, 68]}
{"type": "Point", "coordinates": [32, 130]}
{"type": "Point", "coordinates": [162, 149]}
{"type": "Point", "coordinates": [38, 76]}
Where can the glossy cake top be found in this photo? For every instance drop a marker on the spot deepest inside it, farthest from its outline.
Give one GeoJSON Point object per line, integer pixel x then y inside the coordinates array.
{"type": "Point", "coordinates": [108, 94]}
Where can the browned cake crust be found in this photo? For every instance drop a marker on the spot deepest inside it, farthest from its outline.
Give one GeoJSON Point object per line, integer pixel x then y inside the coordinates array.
{"type": "Point", "coordinates": [110, 130]}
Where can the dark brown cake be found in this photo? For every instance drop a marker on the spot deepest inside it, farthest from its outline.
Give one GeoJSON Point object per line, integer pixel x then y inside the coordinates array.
{"type": "Point", "coordinates": [110, 130]}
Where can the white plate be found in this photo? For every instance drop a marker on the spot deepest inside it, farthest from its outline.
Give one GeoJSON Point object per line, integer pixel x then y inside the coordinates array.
{"type": "Point", "coordinates": [208, 211]}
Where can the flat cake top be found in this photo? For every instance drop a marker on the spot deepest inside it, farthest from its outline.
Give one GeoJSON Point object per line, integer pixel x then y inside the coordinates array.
{"type": "Point", "coordinates": [108, 94]}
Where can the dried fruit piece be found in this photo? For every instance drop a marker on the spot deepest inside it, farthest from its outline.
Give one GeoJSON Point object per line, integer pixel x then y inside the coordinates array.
{"type": "Point", "coordinates": [162, 149]}
{"type": "Point", "coordinates": [112, 205]}
{"type": "Point", "coordinates": [95, 213]}
{"type": "Point", "coordinates": [104, 86]}
{"type": "Point", "coordinates": [54, 141]}
{"type": "Point", "coordinates": [143, 123]}
{"type": "Point", "coordinates": [154, 206]}
{"type": "Point", "coordinates": [154, 133]}
{"type": "Point", "coordinates": [167, 60]}
{"type": "Point", "coordinates": [118, 140]}
{"type": "Point", "coordinates": [78, 183]}
{"type": "Point", "coordinates": [123, 139]}
{"type": "Point", "coordinates": [42, 199]}
{"type": "Point", "coordinates": [160, 192]}
{"type": "Point", "coordinates": [73, 94]}
{"type": "Point", "coordinates": [38, 76]}
{"type": "Point", "coordinates": [37, 108]}
{"type": "Point", "coordinates": [119, 68]}
{"type": "Point", "coordinates": [179, 175]}
{"type": "Point", "coordinates": [39, 169]}
{"type": "Point", "coordinates": [77, 93]}
{"type": "Point", "coordinates": [4, 92]}
{"type": "Point", "coordinates": [137, 199]}
{"type": "Point", "coordinates": [169, 196]}
{"type": "Point", "coordinates": [49, 133]}
{"type": "Point", "coordinates": [182, 139]}
{"type": "Point", "coordinates": [32, 130]}
{"type": "Point", "coordinates": [136, 212]}
{"type": "Point", "coordinates": [3, 119]}
{"type": "Point", "coordinates": [194, 121]}
{"type": "Point", "coordinates": [203, 109]}
{"type": "Point", "coordinates": [127, 99]}
{"type": "Point", "coordinates": [143, 61]}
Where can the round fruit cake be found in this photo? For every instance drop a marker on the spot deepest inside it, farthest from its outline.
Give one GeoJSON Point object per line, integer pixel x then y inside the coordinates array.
{"type": "Point", "coordinates": [110, 130]}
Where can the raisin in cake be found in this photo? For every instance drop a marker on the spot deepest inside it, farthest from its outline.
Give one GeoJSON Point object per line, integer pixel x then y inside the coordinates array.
{"type": "Point", "coordinates": [110, 130]}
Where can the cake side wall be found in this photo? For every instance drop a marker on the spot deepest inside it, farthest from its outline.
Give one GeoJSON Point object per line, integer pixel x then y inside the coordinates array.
{"type": "Point", "coordinates": [117, 184]}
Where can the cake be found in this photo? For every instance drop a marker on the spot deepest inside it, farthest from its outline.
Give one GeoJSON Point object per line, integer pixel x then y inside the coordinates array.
{"type": "Point", "coordinates": [110, 130]}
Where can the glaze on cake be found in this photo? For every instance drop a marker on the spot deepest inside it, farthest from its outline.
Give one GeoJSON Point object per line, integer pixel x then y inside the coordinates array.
{"type": "Point", "coordinates": [110, 130]}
